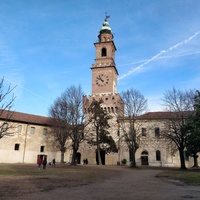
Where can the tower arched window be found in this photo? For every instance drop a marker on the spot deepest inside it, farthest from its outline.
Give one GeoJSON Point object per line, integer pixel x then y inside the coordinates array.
{"type": "Point", "coordinates": [103, 52]}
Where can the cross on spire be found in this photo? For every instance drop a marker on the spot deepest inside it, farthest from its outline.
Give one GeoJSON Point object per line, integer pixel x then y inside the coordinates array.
{"type": "Point", "coordinates": [107, 16]}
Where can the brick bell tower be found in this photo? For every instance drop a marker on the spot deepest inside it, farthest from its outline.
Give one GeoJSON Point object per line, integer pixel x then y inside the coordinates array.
{"type": "Point", "coordinates": [104, 72]}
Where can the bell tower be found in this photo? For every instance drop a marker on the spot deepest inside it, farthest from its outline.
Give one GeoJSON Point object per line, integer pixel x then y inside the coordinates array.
{"type": "Point", "coordinates": [104, 88]}
{"type": "Point", "coordinates": [104, 73]}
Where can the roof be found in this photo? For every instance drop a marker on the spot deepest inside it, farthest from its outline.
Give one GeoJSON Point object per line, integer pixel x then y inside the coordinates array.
{"type": "Point", "coordinates": [25, 118]}
{"type": "Point", "coordinates": [47, 121]}
{"type": "Point", "coordinates": [162, 115]}
{"type": "Point", "coordinates": [158, 115]}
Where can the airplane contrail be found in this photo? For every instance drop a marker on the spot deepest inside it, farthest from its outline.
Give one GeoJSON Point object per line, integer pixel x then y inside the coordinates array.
{"type": "Point", "coordinates": [33, 93]}
{"type": "Point", "coordinates": [159, 54]}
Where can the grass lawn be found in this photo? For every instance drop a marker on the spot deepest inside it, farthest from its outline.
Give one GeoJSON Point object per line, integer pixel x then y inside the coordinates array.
{"type": "Point", "coordinates": [190, 176]}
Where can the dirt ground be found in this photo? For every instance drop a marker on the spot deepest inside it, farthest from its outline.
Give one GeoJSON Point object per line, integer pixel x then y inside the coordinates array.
{"type": "Point", "coordinates": [122, 183]}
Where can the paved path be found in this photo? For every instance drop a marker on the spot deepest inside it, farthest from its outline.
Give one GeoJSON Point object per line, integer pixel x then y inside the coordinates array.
{"type": "Point", "coordinates": [130, 184]}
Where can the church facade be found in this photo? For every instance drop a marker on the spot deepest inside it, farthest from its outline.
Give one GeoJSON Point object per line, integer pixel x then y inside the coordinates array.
{"type": "Point", "coordinates": [31, 136]}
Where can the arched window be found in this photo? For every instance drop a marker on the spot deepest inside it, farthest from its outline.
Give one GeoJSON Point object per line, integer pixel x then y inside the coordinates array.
{"type": "Point", "coordinates": [145, 153]}
{"type": "Point", "coordinates": [103, 52]}
{"type": "Point", "coordinates": [158, 155]}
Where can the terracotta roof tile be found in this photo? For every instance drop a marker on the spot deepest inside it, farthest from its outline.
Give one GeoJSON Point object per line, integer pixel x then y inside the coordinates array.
{"type": "Point", "coordinates": [47, 121]}
{"type": "Point", "coordinates": [26, 118]}
{"type": "Point", "coordinates": [163, 115]}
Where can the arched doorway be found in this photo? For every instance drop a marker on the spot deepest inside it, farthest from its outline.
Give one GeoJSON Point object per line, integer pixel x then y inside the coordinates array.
{"type": "Point", "coordinates": [102, 154]}
{"type": "Point", "coordinates": [78, 158]}
{"type": "Point", "coordinates": [144, 158]}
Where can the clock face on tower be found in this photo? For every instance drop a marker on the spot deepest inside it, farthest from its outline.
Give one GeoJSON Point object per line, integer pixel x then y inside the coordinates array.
{"type": "Point", "coordinates": [102, 80]}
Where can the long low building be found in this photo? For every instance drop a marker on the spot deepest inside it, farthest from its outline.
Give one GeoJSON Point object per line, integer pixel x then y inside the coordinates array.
{"type": "Point", "coordinates": [28, 137]}
{"type": "Point", "coordinates": [31, 136]}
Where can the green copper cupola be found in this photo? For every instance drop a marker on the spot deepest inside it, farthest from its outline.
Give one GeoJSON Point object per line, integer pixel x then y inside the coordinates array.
{"type": "Point", "coordinates": [106, 28]}
{"type": "Point", "coordinates": [105, 34]}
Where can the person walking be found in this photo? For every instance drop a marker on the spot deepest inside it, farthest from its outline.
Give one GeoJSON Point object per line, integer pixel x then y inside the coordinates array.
{"type": "Point", "coordinates": [86, 161]}
{"type": "Point", "coordinates": [54, 162]}
{"type": "Point", "coordinates": [44, 163]}
{"type": "Point", "coordinates": [39, 162]}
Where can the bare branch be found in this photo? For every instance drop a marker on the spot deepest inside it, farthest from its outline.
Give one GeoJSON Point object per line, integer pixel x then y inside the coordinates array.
{"type": "Point", "coordinates": [134, 105]}
{"type": "Point", "coordinates": [5, 107]}
{"type": "Point", "coordinates": [69, 120]}
{"type": "Point", "coordinates": [181, 105]}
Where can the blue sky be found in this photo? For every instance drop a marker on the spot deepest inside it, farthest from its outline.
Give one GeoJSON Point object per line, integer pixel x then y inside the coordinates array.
{"type": "Point", "coordinates": [47, 45]}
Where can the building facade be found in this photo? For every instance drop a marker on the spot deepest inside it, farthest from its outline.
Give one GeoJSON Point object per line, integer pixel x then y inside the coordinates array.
{"type": "Point", "coordinates": [29, 136]}
{"type": "Point", "coordinates": [32, 135]}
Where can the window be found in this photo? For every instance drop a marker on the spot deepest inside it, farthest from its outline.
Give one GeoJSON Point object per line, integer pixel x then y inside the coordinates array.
{"type": "Point", "coordinates": [157, 132]}
{"type": "Point", "coordinates": [19, 128]}
{"type": "Point", "coordinates": [144, 131]}
{"type": "Point", "coordinates": [32, 131]}
{"type": "Point", "coordinates": [104, 52]}
{"type": "Point", "coordinates": [4, 128]}
{"type": "Point", "coordinates": [45, 131]}
{"type": "Point", "coordinates": [42, 149]}
{"type": "Point", "coordinates": [17, 147]}
{"type": "Point", "coordinates": [158, 155]}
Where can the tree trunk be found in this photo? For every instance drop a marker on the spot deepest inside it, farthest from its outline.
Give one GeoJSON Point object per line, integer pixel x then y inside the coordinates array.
{"type": "Point", "coordinates": [62, 157]}
{"type": "Point", "coordinates": [99, 162]}
{"type": "Point", "coordinates": [98, 148]}
{"type": "Point", "coordinates": [195, 161]}
{"type": "Point", "coordinates": [133, 162]}
{"type": "Point", "coordinates": [75, 147]}
{"type": "Point", "coordinates": [182, 158]}
{"type": "Point", "coordinates": [74, 161]}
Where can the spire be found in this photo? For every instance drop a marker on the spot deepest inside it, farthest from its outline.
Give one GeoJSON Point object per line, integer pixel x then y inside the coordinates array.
{"type": "Point", "coordinates": [106, 28]}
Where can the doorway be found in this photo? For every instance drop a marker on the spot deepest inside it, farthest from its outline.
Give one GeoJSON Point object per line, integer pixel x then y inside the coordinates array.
{"type": "Point", "coordinates": [144, 158]}
{"type": "Point", "coordinates": [42, 156]}
{"type": "Point", "coordinates": [103, 155]}
{"type": "Point", "coordinates": [78, 158]}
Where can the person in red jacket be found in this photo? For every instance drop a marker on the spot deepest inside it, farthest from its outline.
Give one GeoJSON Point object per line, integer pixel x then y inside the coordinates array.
{"type": "Point", "coordinates": [39, 162]}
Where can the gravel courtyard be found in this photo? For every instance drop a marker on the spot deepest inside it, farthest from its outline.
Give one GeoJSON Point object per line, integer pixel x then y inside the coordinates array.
{"type": "Point", "coordinates": [125, 184]}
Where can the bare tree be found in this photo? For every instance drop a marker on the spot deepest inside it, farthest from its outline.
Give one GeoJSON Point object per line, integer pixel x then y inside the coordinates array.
{"type": "Point", "coordinates": [179, 104]}
{"type": "Point", "coordinates": [6, 103]}
{"type": "Point", "coordinates": [69, 120]}
{"type": "Point", "coordinates": [135, 104]}
{"type": "Point", "coordinates": [60, 125]}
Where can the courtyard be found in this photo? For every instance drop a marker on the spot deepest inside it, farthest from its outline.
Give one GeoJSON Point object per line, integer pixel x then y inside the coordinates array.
{"type": "Point", "coordinates": [91, 182]}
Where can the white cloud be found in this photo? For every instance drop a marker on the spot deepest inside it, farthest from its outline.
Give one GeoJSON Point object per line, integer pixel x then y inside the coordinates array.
{"type": "Point", "coordinates": [158, 56]}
